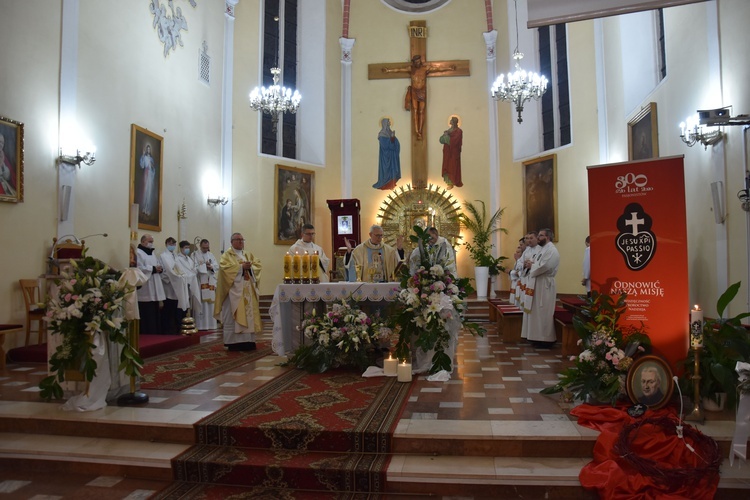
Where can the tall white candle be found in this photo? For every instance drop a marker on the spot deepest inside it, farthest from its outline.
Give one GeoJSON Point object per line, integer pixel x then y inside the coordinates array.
{"type": "Point", "coordinates": [404, 372]}
{"type": "Point", "coordinates": [696, 327]}
{"type": "Point", "coordinates": [134, 217]}
{"type": "Point", "coordinates": [390, 366]}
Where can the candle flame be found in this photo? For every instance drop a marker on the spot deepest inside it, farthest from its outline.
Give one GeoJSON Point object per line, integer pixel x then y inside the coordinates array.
{"type": "Point", "coordinates": [696, 308]}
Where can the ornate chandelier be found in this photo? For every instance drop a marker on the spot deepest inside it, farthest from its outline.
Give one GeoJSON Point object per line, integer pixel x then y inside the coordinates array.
{"type": "Point", "coordinates": [275, 99]}
{"type": "Point", "coordinates": [520, 85]}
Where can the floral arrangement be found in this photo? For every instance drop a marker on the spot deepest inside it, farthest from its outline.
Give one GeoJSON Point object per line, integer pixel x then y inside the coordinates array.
{"type": "Point", "coordinates": [89, 302]}
{"type": "Point", "coordinates": [600, 371]}
{"type": "Point", "coordinates": [428, 300]}
{"type": "Point", "coordinates": [342, 336]}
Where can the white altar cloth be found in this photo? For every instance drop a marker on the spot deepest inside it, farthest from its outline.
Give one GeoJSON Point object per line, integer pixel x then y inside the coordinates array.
{"type": "Point", "coordinates": [285, 324]}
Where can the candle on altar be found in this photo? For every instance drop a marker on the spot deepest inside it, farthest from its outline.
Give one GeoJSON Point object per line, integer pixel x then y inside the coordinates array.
{"type": "Point", "coordinates": [296, 267]}
{"type": "Point", "coordinates": [404, 372]}
{"type": "Point", "coordinates": [287, 267]}
{"type": "Point", "coordinates": [696, 327]}
{"type": "Point", "coordinates": [390, 366]}
{"type": "Point", "coordinates": [305, 267]}
{"type": "Point", "coordinates": [315, 267]}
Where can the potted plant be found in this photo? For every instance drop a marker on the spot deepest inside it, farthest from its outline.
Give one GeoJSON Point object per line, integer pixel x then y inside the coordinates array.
{"type": "Point", "coordinates": [476, 221]}
{"type": "Point", "coordinates": [725, 342]}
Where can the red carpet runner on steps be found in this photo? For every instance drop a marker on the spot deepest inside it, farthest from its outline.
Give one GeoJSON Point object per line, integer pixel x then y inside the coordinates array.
{"type": "Point", "coordinates": [328, 432]}
{"type": "Point", "coordinates": [187, 367]}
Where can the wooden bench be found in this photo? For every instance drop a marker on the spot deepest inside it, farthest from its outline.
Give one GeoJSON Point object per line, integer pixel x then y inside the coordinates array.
{"type": "Point", "coordinates": [493, 305]}
{"type": "Point", "coordinates": [509, 322]}
{"type": "Point", "coordinates": [569, 339]}
{"type": "Point", "coordinates": [5, 329]}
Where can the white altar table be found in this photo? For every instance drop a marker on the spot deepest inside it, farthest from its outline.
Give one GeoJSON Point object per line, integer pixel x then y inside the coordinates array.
{"type": "Point", "coordinates": [285, 322]}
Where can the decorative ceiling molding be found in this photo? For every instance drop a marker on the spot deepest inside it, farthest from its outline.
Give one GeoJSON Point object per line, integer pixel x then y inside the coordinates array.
{"type": "Point", "coordinates": [545, 13]}
{"type": "Point", "coordinates": [168, 27]}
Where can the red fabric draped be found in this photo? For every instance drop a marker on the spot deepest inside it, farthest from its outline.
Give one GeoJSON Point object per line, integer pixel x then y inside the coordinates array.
{"type": "Point", "coordinates": [615, 478]}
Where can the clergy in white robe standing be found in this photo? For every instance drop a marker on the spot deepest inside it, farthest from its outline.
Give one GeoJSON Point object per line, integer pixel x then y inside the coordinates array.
{"type": "Point", "coordinates": [175, 288]}
{"type": "Point", "coordinates": [207, 267]}
{"type": "Point", "coordinates": [438, 250]}
{"type": "Point", "coordinates": [541, 319]}
{"type": "Point", "coordinates": [151, 292]}
{"type": "Point", "coordinates": [372, 260]}
{"type": "Point", "coordinates": [237, 296]}
{"type": "Point", "coordinates": [527, 294]}
{"type": "Point", "coordinates": [306, 244]}
{"type": "Point", "coordinates": [187, 266]}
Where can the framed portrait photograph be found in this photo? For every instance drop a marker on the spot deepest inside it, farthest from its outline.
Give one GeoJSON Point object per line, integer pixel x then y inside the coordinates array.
{"type": "Point", "coordinates": [293, 202]}
{"type": "Point", "coordinates": [643, 134]}
{"type": "Point", "coordinates": [650, 382]}
{"type": "Point", "coordinates": [540, 194]}
{"type": "Point", "coordinates": [146, 155]}
{"type": "Point", "coordinates": [11, 160]}
{"type": "Point", "coordinates": [345, 225]}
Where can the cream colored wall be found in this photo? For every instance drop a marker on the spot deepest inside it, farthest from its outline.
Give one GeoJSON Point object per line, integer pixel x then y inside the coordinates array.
{"type": "Point", "coordinates": [123, 78]}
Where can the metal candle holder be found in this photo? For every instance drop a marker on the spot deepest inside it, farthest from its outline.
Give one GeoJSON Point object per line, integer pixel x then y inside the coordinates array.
{"type": "Point", "coordinates": [696, 344]}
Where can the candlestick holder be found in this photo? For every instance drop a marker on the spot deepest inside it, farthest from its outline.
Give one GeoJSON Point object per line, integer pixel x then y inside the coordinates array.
{"type": "Point", "coordinates": [696, 415]}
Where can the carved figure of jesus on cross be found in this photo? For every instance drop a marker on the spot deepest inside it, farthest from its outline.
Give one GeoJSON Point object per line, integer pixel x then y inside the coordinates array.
{"type": "Point", "coordinates": [418, 69]}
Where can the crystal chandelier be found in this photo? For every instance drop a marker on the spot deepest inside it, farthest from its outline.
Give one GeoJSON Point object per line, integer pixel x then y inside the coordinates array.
{"type": "Point", "coordinates": [692, 132]}
{"type": "Point", "coordinates": [520, 85]}
{"type": "Point", "coordinates": [275, 99]}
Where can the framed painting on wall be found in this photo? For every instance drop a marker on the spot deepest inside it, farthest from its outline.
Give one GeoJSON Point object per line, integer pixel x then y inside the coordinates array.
{"type": "Point", "coordinates": [540, 194]}
{"type": "Point", "coordinates": [146, 155]}
{"type": "Point", "coordinates": [11, 160]}
{"type": "Point", "coordinates": [643, 134]}
{"type": "Point", "coordinates": [293, 203]}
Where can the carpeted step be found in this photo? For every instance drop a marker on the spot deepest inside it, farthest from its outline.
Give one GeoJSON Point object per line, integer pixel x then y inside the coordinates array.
{"type": "Point", "coordinates": [182, 490]}
{"type": "Point", "coordinates": [312, 470]}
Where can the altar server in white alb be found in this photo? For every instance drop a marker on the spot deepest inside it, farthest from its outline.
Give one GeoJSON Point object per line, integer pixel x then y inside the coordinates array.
{"type": "Point", "coordinates": [175, 288]}
{"type": "Point", "coordinates": [527, 294]}
{"type": "Point", "coordinates": [152, 291]}
{"type": "Point", "coordinates": [306, 244]}
{"type": "Point", "coordinates": [207, 267]}
{"type": "Point", "coordinates": [237, 296]}
{"type": "Point", "coordinates": [542, 277]}
{"type": "Point", "coordinates": [187, 266]}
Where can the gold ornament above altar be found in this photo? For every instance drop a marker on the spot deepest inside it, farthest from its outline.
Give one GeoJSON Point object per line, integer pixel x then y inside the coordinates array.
{"type": "Point", "coordinates": [433, 206]}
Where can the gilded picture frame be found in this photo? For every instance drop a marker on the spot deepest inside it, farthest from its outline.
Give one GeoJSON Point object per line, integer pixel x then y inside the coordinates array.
{"type": "Point", "coordinates": [643, 134]}
{"type": "Point", "coordinates": [650, 382]}
{"type": "Point", "coordinates": [540, 194]}
{"type": "Point", "coordinates": [11, 160]}
{"type": "Point", "coordinates": [293, 203]}
{"type": "Point", "coordinates": [146, 175]}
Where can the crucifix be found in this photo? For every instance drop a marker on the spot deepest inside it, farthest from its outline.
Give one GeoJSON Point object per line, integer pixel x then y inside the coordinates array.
{"type": "Point", "coordinates": [418, 69]}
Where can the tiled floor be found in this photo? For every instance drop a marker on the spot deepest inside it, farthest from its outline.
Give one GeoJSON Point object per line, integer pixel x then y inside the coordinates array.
{"type": "Point", "coordinates": [494, 392]}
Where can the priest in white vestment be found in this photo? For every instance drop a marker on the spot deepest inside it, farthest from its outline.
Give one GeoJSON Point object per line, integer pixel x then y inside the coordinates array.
{"type": "Point", "coordinates": [542, 272]}
{"type": "Point", "coordinates": [237, 296]}
{"type": "Point", "coordinates": [527, 294]}
{"type": "Point", "coordinates": [515, 276]}
{"type": "Point", "coordinates": [175, 288]}
{"type": "Point", "coordinates": [306, 244]}
{"type": "Point", "coordinates": [187, 266]}
{"type": "Point", "coordinates": [372, 260]}
{"type": "Point", "coordinates": [207, 267]}
{"type": "Point", "coordinates": [439, 251]}
{"type": "Point", "coordinates": [152, 291]}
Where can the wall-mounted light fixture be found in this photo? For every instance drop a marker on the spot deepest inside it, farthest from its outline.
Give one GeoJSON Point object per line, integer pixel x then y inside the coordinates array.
{"type": "Point", "coordinates": [88, 157]}
{"type": "Point", "coordinates": [692, 132]}
{"type": "Point", "coordinates": [221, 200]}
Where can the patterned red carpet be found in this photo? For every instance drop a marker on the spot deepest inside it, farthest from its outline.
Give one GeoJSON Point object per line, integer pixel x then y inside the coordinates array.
{"type": "Point", "coordinates": [181, 369]}
{"type": "Point", "coordinates": [327, 432]}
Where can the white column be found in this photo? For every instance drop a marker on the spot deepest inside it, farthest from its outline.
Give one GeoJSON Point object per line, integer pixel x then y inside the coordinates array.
{"type": "Point", "coordinates": [226, 121]}
{"type": "Point", "coordinates": [67, 122]}
{"type": "Point", "coordinates": [490, 39]}
{"type": "Point", "coordinates": [346, 116]}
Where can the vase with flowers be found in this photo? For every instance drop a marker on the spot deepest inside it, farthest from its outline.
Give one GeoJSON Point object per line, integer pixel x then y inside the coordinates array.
{"type": "Point", "coordinates": [343, 335]}
{"type": "Point", "coordinates": [86, 310]}
{"type": "Point", "coordinates": [429, 310]}
{"type": "Point", "coordinates": [599, 373]}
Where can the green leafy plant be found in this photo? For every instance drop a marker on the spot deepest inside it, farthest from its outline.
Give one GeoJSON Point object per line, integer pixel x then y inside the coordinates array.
{"type": "Point", "coordinates": [428, 300]}
{"type": "Point", "coordinates": [89, 303]}
{"type": "Point", "coordinates": [725, 342]}
{"type": "Point", "coordinates": [342, 336]}
{"type": "Point", "coordinates": [477, 222]}
{"type": "Point", "coordinates": [600, 371]}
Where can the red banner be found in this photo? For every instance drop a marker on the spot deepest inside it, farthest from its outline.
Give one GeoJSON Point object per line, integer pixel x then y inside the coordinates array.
{"type": "Point", "coordinates": [639, 246]}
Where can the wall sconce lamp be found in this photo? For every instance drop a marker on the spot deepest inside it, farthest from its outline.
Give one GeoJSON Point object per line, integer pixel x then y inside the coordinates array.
{"type": "Point", "coordinates": [221, 200]}
{"type": "Point", "coordinates": [89, 157]}
{"type": "Point", "coordinates": [692, 132]}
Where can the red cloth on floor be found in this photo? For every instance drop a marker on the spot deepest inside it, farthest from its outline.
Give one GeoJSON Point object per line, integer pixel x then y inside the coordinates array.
{"type": "Point", "coordinates": [615, 478]}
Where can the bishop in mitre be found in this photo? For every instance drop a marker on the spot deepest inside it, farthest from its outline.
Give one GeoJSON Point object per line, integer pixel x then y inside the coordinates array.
{"type": "Point", "coordinates": [237, 296]}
